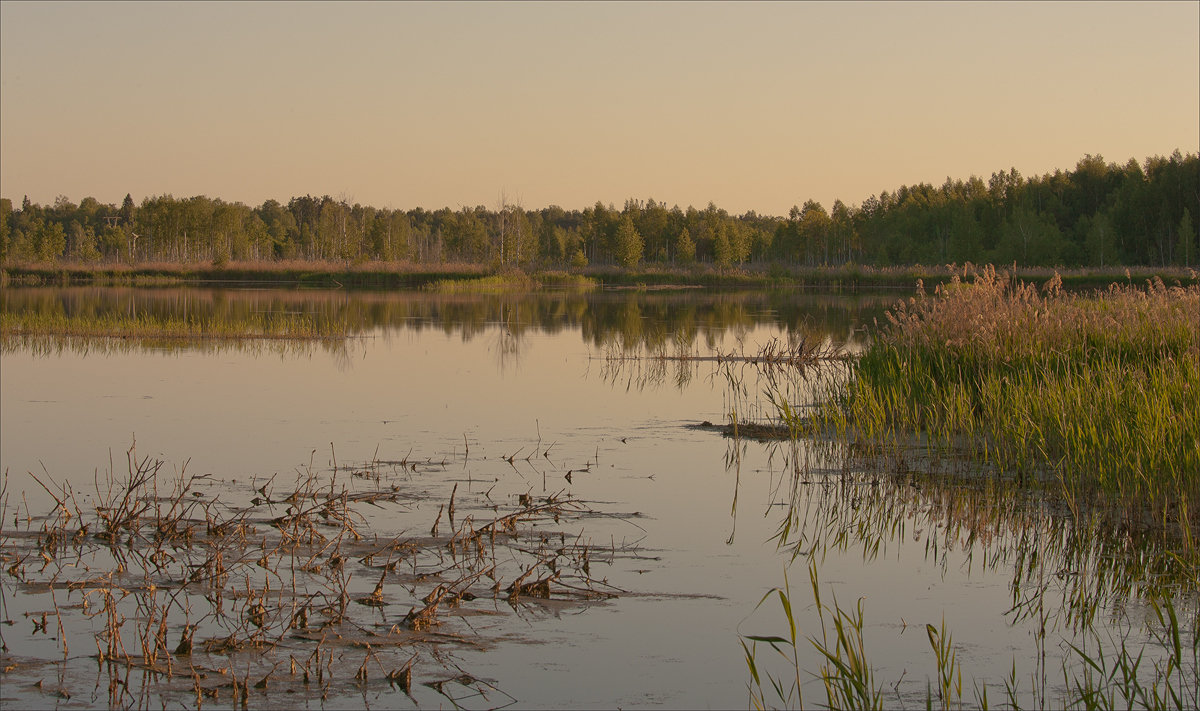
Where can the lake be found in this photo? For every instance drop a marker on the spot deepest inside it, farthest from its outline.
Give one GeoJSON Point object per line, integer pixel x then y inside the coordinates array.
{"type": "Point", "coordinates": [594, 403]}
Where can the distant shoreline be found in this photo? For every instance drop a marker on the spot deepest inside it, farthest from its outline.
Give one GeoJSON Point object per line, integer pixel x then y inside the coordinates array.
{"type": "Point", "coordinates": [377, 275]}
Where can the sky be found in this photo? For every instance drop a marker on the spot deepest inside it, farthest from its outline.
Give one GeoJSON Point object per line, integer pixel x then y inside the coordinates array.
{"type": "Point", "coordinates": [752, 106]}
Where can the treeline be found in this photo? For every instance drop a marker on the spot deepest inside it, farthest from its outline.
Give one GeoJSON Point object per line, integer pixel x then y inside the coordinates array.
{"type": "Point", "coordinates": [1099, 214]}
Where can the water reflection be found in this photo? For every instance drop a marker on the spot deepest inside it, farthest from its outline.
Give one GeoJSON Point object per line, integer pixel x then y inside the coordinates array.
{"type": "Point", "coordinates": [626, 320]}
{"type": "Point", "coordinates": [834, 499]}
{"type": "Point", "coordinates": [894, 528]}
{"type": "Point", "coordinates": [1081, 590]}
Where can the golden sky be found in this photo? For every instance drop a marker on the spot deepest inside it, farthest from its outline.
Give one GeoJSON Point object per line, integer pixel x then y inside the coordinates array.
{"type": "Point", "coordinates": [751, 106]}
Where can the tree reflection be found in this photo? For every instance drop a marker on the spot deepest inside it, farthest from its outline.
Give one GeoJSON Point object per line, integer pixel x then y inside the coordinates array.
{"type": "Point", "coordinates": [632, 321]}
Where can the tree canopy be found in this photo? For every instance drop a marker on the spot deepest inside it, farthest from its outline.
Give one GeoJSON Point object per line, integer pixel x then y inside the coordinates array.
{"type": "Point", "coordinates": [1099, 213]}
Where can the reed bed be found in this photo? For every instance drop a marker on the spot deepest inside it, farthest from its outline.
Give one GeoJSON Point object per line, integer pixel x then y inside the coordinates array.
{"type": "Point", "coordinates": [1097, 392]}
{"type": "Point", "coordinates": [263, 325]}
{"type": "Point", "coordinates": [512, 282]}
{"type": "Point", "coordinates": [343, 352]}
{"type": "Point", "coordinates": [1054, 434]}
{"type": "Point", "coordinates": [492, 284]}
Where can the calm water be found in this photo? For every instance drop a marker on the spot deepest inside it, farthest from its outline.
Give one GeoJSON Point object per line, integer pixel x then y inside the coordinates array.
{"type": "Point", "coordinates": [548, 381]}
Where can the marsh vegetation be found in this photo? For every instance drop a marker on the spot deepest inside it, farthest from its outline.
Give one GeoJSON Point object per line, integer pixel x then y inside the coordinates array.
{"type": "Point", "coordinates": [905, 537]}
{"type": "Point", "coordinates": [1048, 434]}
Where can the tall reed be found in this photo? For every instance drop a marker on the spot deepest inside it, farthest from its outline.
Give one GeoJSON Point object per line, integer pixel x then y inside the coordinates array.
{"type": "Point", "coordinates": [1097, 392]}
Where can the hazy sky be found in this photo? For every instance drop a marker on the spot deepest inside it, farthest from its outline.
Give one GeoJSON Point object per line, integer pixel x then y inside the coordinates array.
{"type": "Point", "coordinates": [752, 106]}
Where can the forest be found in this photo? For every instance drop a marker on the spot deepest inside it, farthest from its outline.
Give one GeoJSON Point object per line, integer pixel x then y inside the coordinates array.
{"type": "Point", "coordinates": [1098, 214]}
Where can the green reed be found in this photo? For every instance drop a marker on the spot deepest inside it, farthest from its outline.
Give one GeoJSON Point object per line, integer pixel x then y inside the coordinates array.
{"type": "Point", "coordinates": [1124, 676]}
{"type": "Point", "coordinates": [1017, 424]}
{"type": "Point", "coordinates": [1070, 581]}
{"type": "Point", "coordinates": [1095, 391]}
{"type": "Point", "coordinates": [847, 677]}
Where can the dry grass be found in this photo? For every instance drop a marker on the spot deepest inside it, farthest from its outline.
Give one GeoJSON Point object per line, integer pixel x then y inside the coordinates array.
{"type": "Point", "coordinates": [194, 595]}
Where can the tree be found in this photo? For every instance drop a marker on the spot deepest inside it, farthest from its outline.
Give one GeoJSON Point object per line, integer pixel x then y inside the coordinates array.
{"type": "Point", "coordinates": [652, 223]}
{"type": "Point", "coordinates": [788, 243]}
{"type": "Point", "coordinates": [844, 235]}
{"type": "Point", "coordinates": [685, 248]}
{"type": "Point", "coordinates": [51, 241]}
{"type": "Point", "coordinates": [629, 243]}
{"type": "Point", "coordinates": [84, 248]}
{"type": "Point", "coordinates": [524, 238]}
{"type": "Point", "coordinates": [1184, 251]}
{"type": "Point", "coordinates": [966, 234]}
{"type": "Point", "coordinates": [723, 255]}
{"type": "Point", "coordinates": [814, 227]}
{"type": "Point", "coordinates": [281, 228]}
{"type": "Point", "coordinates": [127, 211]}
{"type": "Point", "coordinates": [1030, 238]}
{"type": "Point", "coordinates": [598, 230]}
{"type": "Point", "coordinates": [114, 243]}
{"type": "Point", "coordinates": [5, 228]}
{"type": "Point", "coordinates": [1101, 240]}
{"type": "Point", "coordinates": [555, 247]}
{"type": "Point", "coordinates": [740, 240]}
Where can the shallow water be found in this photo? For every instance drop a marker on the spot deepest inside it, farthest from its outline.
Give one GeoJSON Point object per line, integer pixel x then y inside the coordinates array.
{"type": "Point", "coordinates": [508, 396]}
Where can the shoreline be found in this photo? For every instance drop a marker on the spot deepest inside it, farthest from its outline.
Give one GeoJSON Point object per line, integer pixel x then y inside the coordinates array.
{"type": "Point", "coordinates": [329, 275]}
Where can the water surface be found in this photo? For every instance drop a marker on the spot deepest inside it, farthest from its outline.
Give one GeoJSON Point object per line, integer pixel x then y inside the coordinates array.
{"type": "Point", "coordinates": [560, 394]}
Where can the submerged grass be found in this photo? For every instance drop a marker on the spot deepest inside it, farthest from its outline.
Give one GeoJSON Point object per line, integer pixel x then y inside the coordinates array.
{"type": "Point", "coordinates": [1096, 391]}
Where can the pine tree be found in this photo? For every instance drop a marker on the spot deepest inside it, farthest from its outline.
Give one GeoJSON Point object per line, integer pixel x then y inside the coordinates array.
{"type": "Point", "coordinates": [127, 210]}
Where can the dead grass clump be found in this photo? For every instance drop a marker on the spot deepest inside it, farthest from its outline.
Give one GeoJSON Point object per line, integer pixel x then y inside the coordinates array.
{"type": "Point", "coordinates": [190, 595]}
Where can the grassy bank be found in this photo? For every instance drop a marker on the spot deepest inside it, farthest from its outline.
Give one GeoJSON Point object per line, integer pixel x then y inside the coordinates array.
{"type": "Point", "coordinates": [406, 275]}
{"type": "Point", "coordinates": [1096, 391]}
